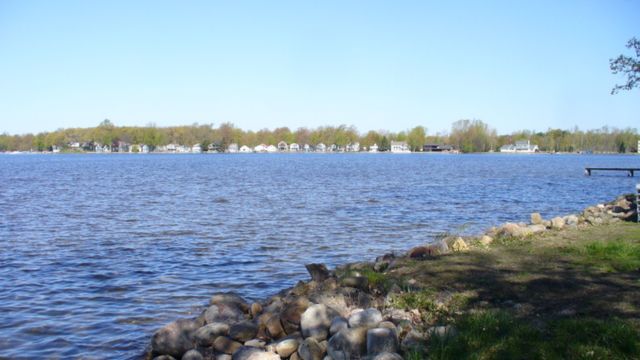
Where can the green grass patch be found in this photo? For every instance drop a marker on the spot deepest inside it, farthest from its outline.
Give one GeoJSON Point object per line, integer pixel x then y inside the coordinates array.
{"type": "Point", "coordinates": [610, 256]}
{"type": "Point", "coordinates": [498, 335]}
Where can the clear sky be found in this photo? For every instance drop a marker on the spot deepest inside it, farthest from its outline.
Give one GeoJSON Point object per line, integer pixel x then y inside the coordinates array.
{"type": "Point", "coordinates": [373, 64]}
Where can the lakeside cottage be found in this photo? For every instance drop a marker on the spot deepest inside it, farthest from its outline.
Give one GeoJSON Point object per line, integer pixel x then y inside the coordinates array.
{"type": "Point", "coordinates": [272, 149]}
{"type": "Point", "coordinates": [282, 146]}
{"type": "Point", "coordinates": [232, 148]}
{"type": "Point", "coordinates": [321, 147]}
{"type": "Point", "coordinates": [196, 149]}
{"type": "Point", "coordinates": [523, 146]}
{"type": "Point", "coordinates": [400, 147]}
{"type": "Point", "coordinates": [437, 148]}
{"type": "Point", "coordinates": [355, 147]}
{"type": "Point", "coordinates": [294, 147]}
{"type": "Point", "coordinates": [373, 148]}
{"type": "Point", "coordinates": [307, 148]}
{"type": "Point", "coordinates": [245, 149]}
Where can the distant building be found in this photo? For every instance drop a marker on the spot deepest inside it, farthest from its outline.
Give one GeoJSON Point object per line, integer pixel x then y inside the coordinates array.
{"type": "Point", "coordinates": [437, 148]}
{"type": "Point", "coordinates": [232, 148]}
{"type": "Point", "coordinates": [260, 148]}
{"type": "Point", "coordinates": [294, 147]}
{"type": "Point", "coordinates": [307, 148]}
{"type": "Point", "coordinates": [523, 146]}
{"type": "Point", "coordinates": [272, 149]}
{"type": "Point", "coordinates": [355, 147]}
{"type": "Point", "coordinates": [282, 146]}
{"type": "Point", "coordinates": [373, 148]}
{"type": "Point", "coordinates": [638, 147]}
{"type": "Point", "coordinates": [321, 147]}
{"type": "Point", "coordinates": [399, 147]}
{"type": "Point", "coordinates": [245, 149]}
{"type": "Point", "coordinates": [196, 149]}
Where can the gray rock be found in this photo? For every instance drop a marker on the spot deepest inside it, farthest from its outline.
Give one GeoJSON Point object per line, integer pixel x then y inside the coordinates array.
{"type": "Point", "coordinates": [257, 343]}
{"type": "Point", "coordinates": [224, 357]}
{"type": "Point", "coordinates": [557, 223]}
{"type": "Point", "coordinates": [164, 357]}
{"type": "Point", "coordinates": [318, 272]}
{"type": "Point", "coordinates": [252, 353]}
{"type": "Point", "coordinates": [381, 340]}
{"type": "Point", "coordinates": [274, 327]}
{"type": "Point", "coordinates": [229, 298]}
{"type": "Point", "coordinates": [243, 331]}
{"type": "Point", "coordinates": [338, 323]}
{"type": "Point", "coordinates": [175, 338]}
{"type": "Point", "coordinates": [388, 356]}
{"type": "Point", "coordinates": [205, 335]}
{"type": "Point", "coordinates": [316, 320]}
{"type": "Point", "coordinates": [536, 219]}
{"type": "Point", "coordinates": [442, 331]}
{"type": "Point", "coordinates": [348, 344]}
{"type": "Point", "coordinates": [571, 220]}
{"type": "Point", "coordinates": [413, 340]}
{"type": "Point", "coordinates": [192, 354]}
{"type": "Point", "coordinates": [225, 345]}
{"type": "Point", "coordinates": [358, 282]}
{"type": "Point", "coordinates": [310, 349]}
{"type": "Point", "coordinates": [535, 229]}
{"type": "Point", "coordinates": [222, 313]}
{"type": "Point", "coordinates": [366, 318]}
{"type": "Point", "coordinates": [286, 347]}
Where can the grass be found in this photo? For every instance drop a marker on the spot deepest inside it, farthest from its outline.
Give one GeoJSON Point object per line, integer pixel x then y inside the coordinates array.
{"type": "Point", "coordinates": [499, 335]}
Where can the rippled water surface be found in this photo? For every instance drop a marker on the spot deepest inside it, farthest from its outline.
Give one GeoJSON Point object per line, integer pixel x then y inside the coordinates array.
{"type": "Point", "coordinates": [98, 251]}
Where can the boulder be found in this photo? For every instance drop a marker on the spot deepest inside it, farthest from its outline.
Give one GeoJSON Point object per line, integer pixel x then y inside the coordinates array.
{"type": "Point", "coordinates": [164, 357]}
{"type": "Point", "coordinates": [348, 344]}
{"type": "Point", "coordinates": [222, 313]}
{"type": "Point", "coordinates": [252, 353]}
{"type": "Point", "coordinates": [205, 335]}
{"type": "Point", "coordinates": [310, 349]}
{"type": "Point", "coordinates": [274, 327]}
{"type": "Point", "coordinates": [318, 272]}
{"type": "Point", "coordinates": [486, 240]}
{"type": "Point", "coordinates": [388, 356]}
{"type": "Point", "coordinates": [225, 345]}
{"type": "Point", "coordinates": [442, 331]}
{"type": "Point", "coordinates": [243, 331]}
{"type": "Point", "coordinates": [292, 311]}
{"type": "Point", "coordinates": [358, 282]}
{"type": "Point", "coordinates": [229, 298]}
{"type": "Point", "coordinates": [459, 245]}
{"type": "Point", "coordinates": [511, 229]}
{"type": "Point", "coordinates": [536, 219]}
{"type": "Point", "coordinates": [338, 323]}
{"type": "Point", "coordinates": [571, 220]}
{"type": "Point", "coordinates": [316, 321]}
{"type": "Point", "coordinates": [192, 354]}
{"type": "Point", "coordinates": [175, 338]}
{"type": "Point", "coordinates": [255, 343]}
{"type": "Point", "coordinates": [365, 318]}
{"type": "Point", "coordinates": [413, 340]}
{"type": "Point", "coordinates": [255, 309]}
{"type": "Point", "coordinates": [536, 229]}
{"type": "Point", "coordinates": [382, 340]}
{"type": "Point", "coordinates": [557, 223]}
{"type": "Point", "coordinates": [286, 347]}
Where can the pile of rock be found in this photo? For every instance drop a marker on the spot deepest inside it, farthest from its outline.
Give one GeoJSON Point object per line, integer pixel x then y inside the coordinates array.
{"type": "Point", "coordinates": [326, 318]}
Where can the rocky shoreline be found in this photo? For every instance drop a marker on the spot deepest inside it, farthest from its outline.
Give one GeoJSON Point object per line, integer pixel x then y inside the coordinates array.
{"type": "Point", "coordinates": [346, 313]}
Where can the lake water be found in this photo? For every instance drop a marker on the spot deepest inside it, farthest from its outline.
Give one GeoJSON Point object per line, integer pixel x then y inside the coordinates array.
{"type": "Point", "coordinates": [98, 251]}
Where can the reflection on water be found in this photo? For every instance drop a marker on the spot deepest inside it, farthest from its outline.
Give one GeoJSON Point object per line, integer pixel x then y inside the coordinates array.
{"type": "Point", "coordinates": [99, 251]}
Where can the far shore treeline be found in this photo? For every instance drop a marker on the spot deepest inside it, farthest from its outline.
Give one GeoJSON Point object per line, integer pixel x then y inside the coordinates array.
{"type": "Point", "coordinates": [465, 136]}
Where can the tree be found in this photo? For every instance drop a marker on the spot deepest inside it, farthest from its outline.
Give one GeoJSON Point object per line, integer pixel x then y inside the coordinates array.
{"type": "Point", "coordinates": [628, 66]}
{"type": "Point", "coordinates": [417, 138]}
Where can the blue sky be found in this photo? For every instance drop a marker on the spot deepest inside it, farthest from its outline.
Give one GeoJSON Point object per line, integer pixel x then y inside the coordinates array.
{"type": "Point", "coordinates": [373, 64]}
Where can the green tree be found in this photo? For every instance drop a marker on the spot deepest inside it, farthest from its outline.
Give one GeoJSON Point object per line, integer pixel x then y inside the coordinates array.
{"type": "Point", "coordinates": [417, 138]}
{"type": "Point", "coordinates": [628, 66]}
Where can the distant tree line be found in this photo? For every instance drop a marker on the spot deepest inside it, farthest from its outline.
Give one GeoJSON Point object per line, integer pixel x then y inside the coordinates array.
{"type": "Point", "coordinates": [465, 135]}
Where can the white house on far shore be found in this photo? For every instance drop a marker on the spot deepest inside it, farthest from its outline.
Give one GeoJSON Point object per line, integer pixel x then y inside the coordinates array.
{"type": "Point", "coordinates": [321, 147]}
{"type": "Point", "coordinates": [400, 147]}
{"type": "Point", "coordinates": [272, 149]}
{"type": "Point", "coordinates": [523, 146]}
{"type": "Point", "coordinates": [245, 149]}
{"type": "Point", "coordinates": [373, 148]}
{"type": "Point", "coordinates": [232, 148]}
{"type": "Point", "coordinates": [294, 147]}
